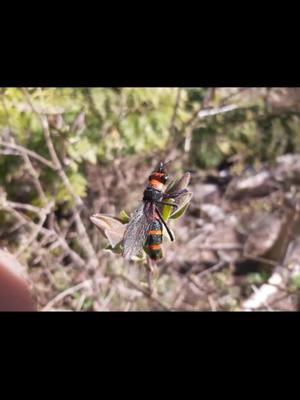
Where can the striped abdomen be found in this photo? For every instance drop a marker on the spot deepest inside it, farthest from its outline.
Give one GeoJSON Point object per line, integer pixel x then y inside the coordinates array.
{"type": "Point", "coordinates": [154, 239]}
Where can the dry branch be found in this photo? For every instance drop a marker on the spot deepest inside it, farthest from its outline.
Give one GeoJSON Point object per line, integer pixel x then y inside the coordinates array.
{"type": "Point", "coordinates": [85, 240]}
{"type": "Point", "coordinates": [24, 220]}
{"type": "Point", "coordinates": [37, 229]}
{"type": "Point", "coordinates": [143, 290]}
{"type": "Point", "coordinates": [67, 292]}
{"type": "Point", "coordinates": [30, 153]}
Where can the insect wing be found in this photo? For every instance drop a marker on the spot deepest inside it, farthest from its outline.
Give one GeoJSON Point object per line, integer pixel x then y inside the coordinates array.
{"type": "Point", "coordinates": [136, 233]}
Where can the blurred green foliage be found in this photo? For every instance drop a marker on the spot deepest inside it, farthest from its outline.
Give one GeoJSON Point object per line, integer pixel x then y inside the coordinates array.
{"type": "Point", "coordinates": [99, 125]}
{"type": "Point", "coordinates": [88, 125]}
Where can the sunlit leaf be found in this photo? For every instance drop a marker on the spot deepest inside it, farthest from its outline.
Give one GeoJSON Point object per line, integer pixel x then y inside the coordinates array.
{"type": "Point", "coordinates": [118, 249]}
{"type": "Point", "coordinates": [180, 184]}
{"type": "Point", "coordinates": [110, 227]}
{"type": "Point", "coordinates": [140, 257]}
{"type": "Point", "coordinates": [182, 201]}
{"type": "Point", "coordinates": [172, 184]}
{"type": "Point", "coordinates": [124, 217]}
{"type": "Point", "coordinates": [167, 210]}
{"type": "Point", "coordinates": [295, 281]}
{"type": "Point", "coordinates": [78, 183]}
{"type": "Point", "coordinates": [181, 210]}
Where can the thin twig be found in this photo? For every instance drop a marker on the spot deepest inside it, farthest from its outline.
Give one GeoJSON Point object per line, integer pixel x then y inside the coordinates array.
{"type": "Point", "coordinates": [203, 105]}
{"type": "Point", "coordinates": [193, 279]}
{"type": "Point", "coordinates": [221, 246]}
{"type": "Point", "coordinates": [81, 302]}
{"type": "Point", "coordinates": [35, 177]}
{"type": "Point", "coordinates": [30, 153]}
{"type": "Point", "coordinates": [25, 220]}
{"type": "Point", "coordinates": [173, 118]}
{"type": "Point", "coordinates": [215, 111]}
{"type": "Point", "coordinates": [25, 154]}
{"type": "Point", "coordinates": [141, 289]}
{"type": "Point", "coordinates": [24, 206]}
{"type": "Point", "coordinates": [86, 243]}
{"type": "Point", "coordinates": [225, 99]}
{"type": "Point", "coordinates": [261, 259]}
{"type": "Point", "coordinates": [56, 161]}
{"type": "Point", "coordinates": [66, 293]}
{"type": "Point", "coordinates": [215, 268]}
{"type": "Point", "coordinates": [37, 230]}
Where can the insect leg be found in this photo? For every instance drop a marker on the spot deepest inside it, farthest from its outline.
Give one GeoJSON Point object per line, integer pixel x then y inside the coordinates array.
{"type": "Point", "coordinates": [173, 195]}
{"type": "Point", "coordinates": [167, 204]}
{"type": "Point", "coordinates": [165, 224]}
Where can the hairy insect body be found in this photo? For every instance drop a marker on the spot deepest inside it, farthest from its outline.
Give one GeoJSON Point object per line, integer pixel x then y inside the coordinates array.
{"type": "Point", "coordinates": [151, 194]}
{"type": "Point", "coordinates": [145, 229]}
{"type": "Point", "coordinates": [154, 193]}
{"type": "Point", "coordinates": [154, 234]}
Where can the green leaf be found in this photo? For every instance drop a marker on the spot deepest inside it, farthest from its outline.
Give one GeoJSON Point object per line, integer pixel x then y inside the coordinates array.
{"type": "Point", "coordinates": [140, 257]}
{"type": "Point", "coordinates": [257, 278]}
{"type": "Point", "coordinates": [180, 184]}
{"type": "Point", "coordinates": [179, 213]}
{"type": "Point", "coordinates": [111, 228]}
{"type": "Point", "coordinates": [118, 249]}
{"type": "Point", "coordinates": [124, 217]}
{"type": "Point", "coordinates": [182, 202]}
{"type": "Point", "coordinates": [175, 185]}
{"type": "Point", "coordinates": [82, 149]}
{"type": "Point", "coordinates": [78, 183]}
{"type": "Point", "coordinates": [167, 210]}
{"type": "Point", "coordinates": [295, 280]}
{"type": "Point", "coordinates": [172, 184]}
{"type": "Point", "coordinates": [182, 205]}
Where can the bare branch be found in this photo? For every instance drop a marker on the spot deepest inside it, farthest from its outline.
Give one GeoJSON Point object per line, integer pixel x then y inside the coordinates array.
{"type": "Point", "coordinates": [37, 229]}
{"type": "Point", "coordinates": [86, 243]}
{"type": "Point", "coordinates": [23, 206]}
{"type": "Point", "coordinates": [86, 284]}
{"type": "Point", "coordinates": [30, 153]}
{"type": "Point", "coordinates": [143, 290]}
{"type": "Point", "coordinates": [25, 220]}
{"type": "Point", "coordinates": [67, 292]}
{"type": "Point", "coordinates": [221, 264]}
{"type": "Point", "coordinates": [179, 90]}
{"type": "Point", "coordinates": [215, 111]}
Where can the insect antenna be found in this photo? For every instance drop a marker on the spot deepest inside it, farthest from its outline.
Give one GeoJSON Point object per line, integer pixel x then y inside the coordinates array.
{"type": "Point", "coordinates": [163, 165]}
{"type": "Point", "coordinates": [165, 224]}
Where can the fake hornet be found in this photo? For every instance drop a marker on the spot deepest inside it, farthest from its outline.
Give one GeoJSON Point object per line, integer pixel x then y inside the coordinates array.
{"type": "Point", "coordinates": [145, 228]}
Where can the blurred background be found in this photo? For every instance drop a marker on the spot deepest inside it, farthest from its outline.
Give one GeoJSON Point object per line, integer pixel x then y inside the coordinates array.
{"type": "Point", "coordinates": [68, 153]}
